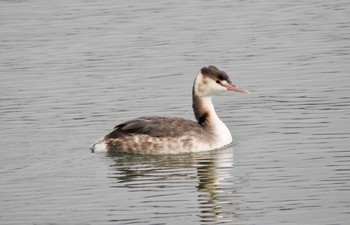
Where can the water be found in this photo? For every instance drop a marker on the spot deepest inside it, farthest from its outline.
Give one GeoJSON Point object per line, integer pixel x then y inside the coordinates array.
{"type": "Point", "coordinates": [71, 70]}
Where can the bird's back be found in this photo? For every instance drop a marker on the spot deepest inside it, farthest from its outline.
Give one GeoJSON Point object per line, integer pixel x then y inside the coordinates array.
{"type": "Point", "coordinates": [156, 126]}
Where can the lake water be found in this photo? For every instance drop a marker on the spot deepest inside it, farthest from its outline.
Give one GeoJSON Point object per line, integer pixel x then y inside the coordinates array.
{"type": "Point", "coordinates": [71, 70]}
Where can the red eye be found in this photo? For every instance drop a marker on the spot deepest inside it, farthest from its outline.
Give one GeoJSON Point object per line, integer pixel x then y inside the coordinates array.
{"type": "Point", "coordinates": [218, 81]}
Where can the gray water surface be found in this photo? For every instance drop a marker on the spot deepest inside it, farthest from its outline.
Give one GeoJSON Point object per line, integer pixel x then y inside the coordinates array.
{"type": "Point", "coordinates": [71, 70]}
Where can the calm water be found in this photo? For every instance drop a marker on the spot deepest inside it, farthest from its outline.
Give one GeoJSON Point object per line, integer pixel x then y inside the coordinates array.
{"type": "Point", "coordinates": [71, 70]}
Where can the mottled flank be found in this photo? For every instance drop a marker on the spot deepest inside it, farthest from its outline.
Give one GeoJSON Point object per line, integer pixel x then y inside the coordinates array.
{"type": "Point", "coordinates": [144, 144]}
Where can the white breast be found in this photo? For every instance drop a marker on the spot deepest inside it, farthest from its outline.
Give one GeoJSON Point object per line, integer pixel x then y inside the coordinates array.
{"type": "Point", "coordinates": [222, 133]}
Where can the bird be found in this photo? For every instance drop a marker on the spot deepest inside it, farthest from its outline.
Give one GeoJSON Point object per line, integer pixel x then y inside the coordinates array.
{"type": "Point", "coordinates": [159, 135]}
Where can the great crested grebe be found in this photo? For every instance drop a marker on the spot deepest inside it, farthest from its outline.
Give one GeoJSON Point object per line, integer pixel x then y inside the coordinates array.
{"type": "Point", "coordinates": [173, 135]}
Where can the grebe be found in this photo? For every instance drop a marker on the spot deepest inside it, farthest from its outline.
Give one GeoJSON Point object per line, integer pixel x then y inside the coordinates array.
{"type": "Point", "coordinates": [172, 135]}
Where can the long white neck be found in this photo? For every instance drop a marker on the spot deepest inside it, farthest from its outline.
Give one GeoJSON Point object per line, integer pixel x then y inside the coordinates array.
{"type": "Point", "coordinates": [206, 116]}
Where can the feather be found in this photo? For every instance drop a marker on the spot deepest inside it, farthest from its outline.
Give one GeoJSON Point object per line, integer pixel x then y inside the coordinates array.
{"type": "Point", "coordinates": [155, 127]}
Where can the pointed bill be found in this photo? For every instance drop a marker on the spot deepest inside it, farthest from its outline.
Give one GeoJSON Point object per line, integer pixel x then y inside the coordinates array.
{"type": "Point", "coordinates": [236, 88]}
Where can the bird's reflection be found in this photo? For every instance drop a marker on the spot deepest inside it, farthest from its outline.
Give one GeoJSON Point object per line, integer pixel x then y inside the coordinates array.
{"type": "Point", "coordinates": [206, 172]}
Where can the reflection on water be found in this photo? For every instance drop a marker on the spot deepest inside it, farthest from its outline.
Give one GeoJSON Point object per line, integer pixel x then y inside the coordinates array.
{"type": "Point", "coordinates": [164, 178]}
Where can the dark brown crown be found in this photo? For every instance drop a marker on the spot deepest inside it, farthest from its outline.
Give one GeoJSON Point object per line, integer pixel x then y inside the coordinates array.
{"type": "Point", "coordinates": [214, 73]}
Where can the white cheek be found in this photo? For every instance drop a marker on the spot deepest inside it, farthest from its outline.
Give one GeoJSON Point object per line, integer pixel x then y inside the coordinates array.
{"type": "Point", "coordinates": [206, 87]}
{"type": "Point", "coordinates": [215, 87]}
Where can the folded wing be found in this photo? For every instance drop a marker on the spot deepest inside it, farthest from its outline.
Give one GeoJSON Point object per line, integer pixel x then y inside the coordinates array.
{"type": "Point", "coordinates": [155, 127]}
